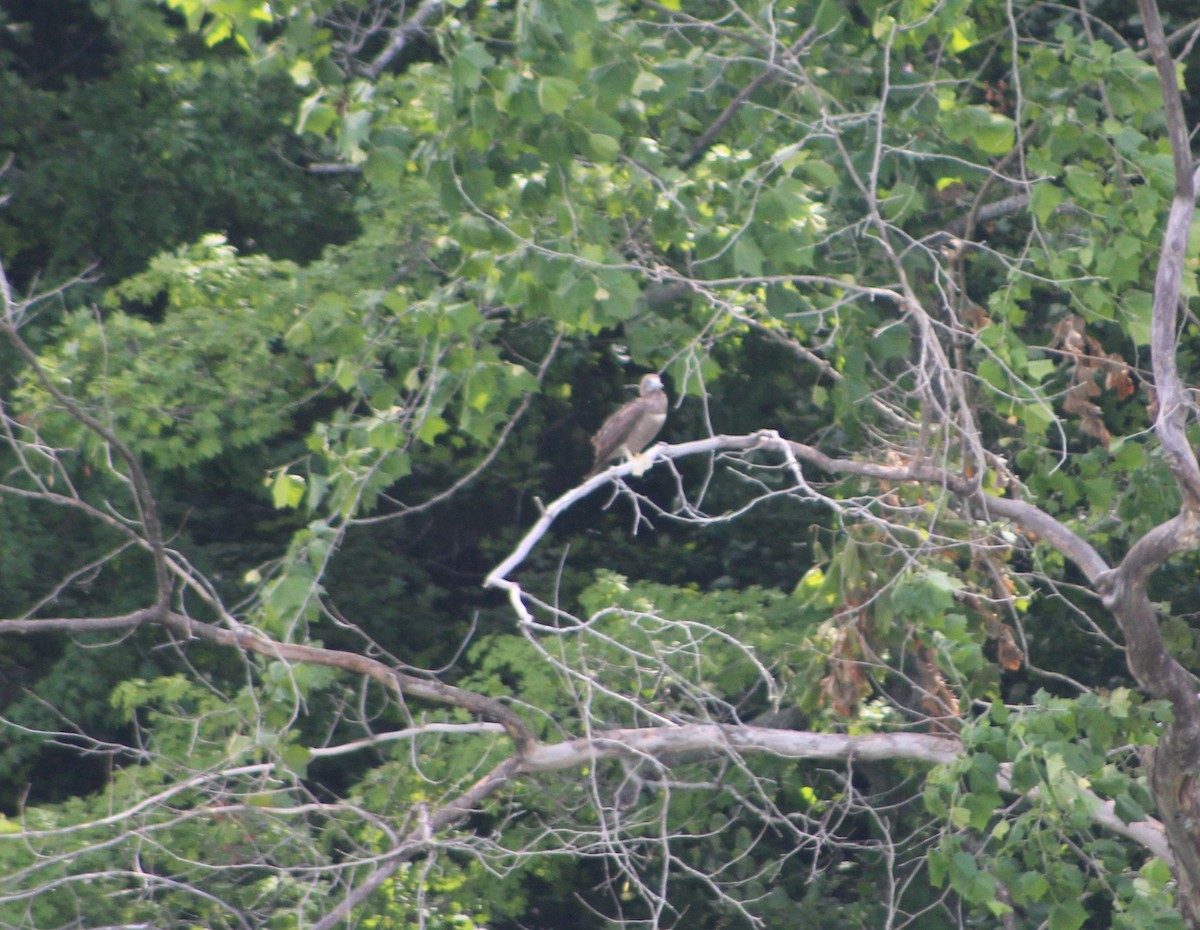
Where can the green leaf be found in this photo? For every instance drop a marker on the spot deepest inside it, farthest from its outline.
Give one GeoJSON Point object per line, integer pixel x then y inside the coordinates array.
{"type": "Point", "coordinates": [555, 94]}
{"type": "Point", "coordinates": [603, 148]}
{"type": "Point", "coordinates": [1157, 873]}
{"type": "Point", "coordinates": [1036, 418]}
{"type": "Point", "coordinates": [1038, 370]}
{"type": "Point", "coordinates": [287, 490]}
{"type": "Point", "coordinates": [1046, 198]}
{"type": "Point", "coordinates": [468, 65]}
{"type": "Point", "coordinates": [747, 256]}
{"type": "Point", "coordinates": [316, 116]}
{"type": "Point", "coordinates": [891, 342]}
{"type": "Point", "coordinates": [990, 132]}
{"type": "Point", "coordinates": [1138, 306]}
{"type": "Point", "coordinates": [302, 72]}
{"type": "Point", "coordinates": [1031, 886]}
{"type": "Point", "coordinates": [1067, 915]}
{"type": "Point", "coordinates": [996, 134]}
{"type": "Point", "coordinates": [646, 83]}
{"type": "Point", "coordinates": [1084, 186]}
{"type": "Point", "coordinates": [295, 757]}
{"type": "Point", "coordinates": [386, 167]}
{"type": "Point", "coordinates": [431, 429]}
{"type": "Point", "coordinates": [962, 37]}
{"type": "Point", "coordinates": [1128, 809]}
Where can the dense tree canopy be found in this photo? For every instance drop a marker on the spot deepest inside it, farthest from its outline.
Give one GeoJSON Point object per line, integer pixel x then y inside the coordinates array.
{"type": "Point", "coordinates": [311, 618]}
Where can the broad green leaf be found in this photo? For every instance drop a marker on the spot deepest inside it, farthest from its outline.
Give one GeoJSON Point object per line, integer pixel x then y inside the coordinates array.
{"type": "Point", "coordinates": [1067, 915]}
{"type": "Point", "coordinates": [1045, 200]}
{"type": "Point", "coordinates": [603, 148]}
{"type": "Point", "coordinates": [295, 757]}
{"type": "Point", "coordinates": [1084, 186]}
{"type": "Point", "coordinates": [747, 257]}
{"type": "Point", "coordinates": [646, 82]}
{"type": "Point", "coordinates": [468, 65]}
{"type": "Point", "coordinates": [316, 116]}
{"type": "Point", "coordinates": [287, 490]}
{"type": "Point", "coordinates": [996, 134]}
{"type": "Point", "coordinates": [1138, 316]}
{"type": "Point", "coordinates": [556, 93]}
{"type": "Point", "coordinates": [431, 429]}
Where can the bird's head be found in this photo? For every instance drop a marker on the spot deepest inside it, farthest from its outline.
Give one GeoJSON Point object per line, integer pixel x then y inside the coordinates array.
{"type": "Point", "coordinates": [650, 383]}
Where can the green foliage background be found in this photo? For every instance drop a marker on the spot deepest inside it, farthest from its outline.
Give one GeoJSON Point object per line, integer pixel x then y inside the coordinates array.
{"type": "Point", "coordinates": [530, 216]}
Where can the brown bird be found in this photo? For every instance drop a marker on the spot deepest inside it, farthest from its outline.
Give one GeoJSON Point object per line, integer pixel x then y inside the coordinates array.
{"type": "Point", "coordinates": [628, 431]}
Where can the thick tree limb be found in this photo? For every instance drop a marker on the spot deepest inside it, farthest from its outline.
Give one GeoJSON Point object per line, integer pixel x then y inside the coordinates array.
{"type": "Point", "coordinates": [80, 625]}
{"type": "Point", "coordinates": [1177, 755]}
{"type": "Point", "coordinates": [1173, 405]}
{"type": "Point", "coordinates": [713, 738]}
{"type": "Point", "coordinates": [989, 211]}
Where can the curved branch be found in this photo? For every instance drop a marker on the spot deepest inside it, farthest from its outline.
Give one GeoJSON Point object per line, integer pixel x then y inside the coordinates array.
{"type": "Point", "coordinates": [1028, 516]}
{"type": "Point", "coordinates": [249, 640]}
{"type": "Point", "coordinates": [1179, 534]}
{"type": "Point", "coordinates": [1173, 406]}
{"type": "Point", "coordinates": [667, 742]}
{"type": "Point", "coordinates": [1034, 520]}
{"type": "Point", "coordinates": [498, 576]}
{"type": "Point", "coordinates": [82, 624]}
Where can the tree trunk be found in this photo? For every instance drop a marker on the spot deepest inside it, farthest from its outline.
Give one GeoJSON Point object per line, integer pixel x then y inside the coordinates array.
{"type": "Point", "coordinates": [1176, 787]}
{"type": "Point", "coordinates": [1175, 768]}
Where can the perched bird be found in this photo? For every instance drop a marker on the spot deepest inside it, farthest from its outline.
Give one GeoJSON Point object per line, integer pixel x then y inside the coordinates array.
{"type": "Point", "coordinates": [628, 431]}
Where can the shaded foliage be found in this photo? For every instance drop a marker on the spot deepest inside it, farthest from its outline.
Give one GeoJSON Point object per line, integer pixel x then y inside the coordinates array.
{"type": "Point", "coordinates": [917, 241]}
